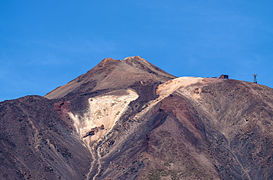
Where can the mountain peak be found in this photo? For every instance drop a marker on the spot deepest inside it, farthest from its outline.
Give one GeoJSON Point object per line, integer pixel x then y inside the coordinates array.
{"type": "Point", "coordinates": [106, 61]}
{"type": "Point", "coordinates": [127, 59]}
{"type": "Point", "coordinates": [136, 58]}
{"type": "Point", "coordinates": [111, 73]}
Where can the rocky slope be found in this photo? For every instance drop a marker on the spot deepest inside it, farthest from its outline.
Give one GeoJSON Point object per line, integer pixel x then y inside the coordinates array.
{"type": "Point", "coordinates": [127, 119]}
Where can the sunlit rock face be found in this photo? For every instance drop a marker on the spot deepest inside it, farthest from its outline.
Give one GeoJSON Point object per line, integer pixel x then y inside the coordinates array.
{"type": "Point", "coordinates": [102, 114]}
{"type": "Point", "coordinates": [128, 119]}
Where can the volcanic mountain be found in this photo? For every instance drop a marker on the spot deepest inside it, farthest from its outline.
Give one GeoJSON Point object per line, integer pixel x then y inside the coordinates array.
{"type": "Point", "coordinates": [128, 119]}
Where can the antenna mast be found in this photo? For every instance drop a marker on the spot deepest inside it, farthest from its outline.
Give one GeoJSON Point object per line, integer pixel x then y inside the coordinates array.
{"type": "Point", "coordinates": [255, 78]}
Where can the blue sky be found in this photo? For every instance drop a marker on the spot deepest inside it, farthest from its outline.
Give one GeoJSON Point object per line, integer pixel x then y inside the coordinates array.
{"type": "Point", "coordinates": [45, 44]}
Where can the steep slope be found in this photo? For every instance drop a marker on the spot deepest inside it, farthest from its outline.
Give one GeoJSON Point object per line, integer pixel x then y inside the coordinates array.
{"type": "Point", "coordinates": [130, 120]}
{"type": "Point", "coordinates": [35, 143]}
{"type": "Point", "coordinates": [114, 74]}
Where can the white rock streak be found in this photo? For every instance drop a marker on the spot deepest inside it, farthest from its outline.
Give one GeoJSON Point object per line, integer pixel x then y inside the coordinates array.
{"type": "Point", "coordinates": [103, 110]}
{"type": "Point", "coordinates": [167, 88]}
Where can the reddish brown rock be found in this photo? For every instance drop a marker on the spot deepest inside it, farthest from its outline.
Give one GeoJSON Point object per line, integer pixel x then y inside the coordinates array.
{"type": "Point", "coordinates": [176, 128]}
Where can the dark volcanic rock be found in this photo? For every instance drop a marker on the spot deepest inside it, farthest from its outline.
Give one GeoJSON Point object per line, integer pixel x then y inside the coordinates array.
{"type": "Point", "coordinates": [129, 119]}
{"type": "Point", "coordinates": [35, 143]}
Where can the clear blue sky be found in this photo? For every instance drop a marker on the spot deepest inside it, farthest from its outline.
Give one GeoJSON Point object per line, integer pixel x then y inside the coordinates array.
{"type": "Point", "coordinates": [46, 43]}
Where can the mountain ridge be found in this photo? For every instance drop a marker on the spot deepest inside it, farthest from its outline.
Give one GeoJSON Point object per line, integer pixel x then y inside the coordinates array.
{"type": "Point", "coordinates": [131, 120]}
